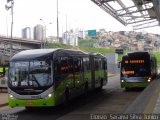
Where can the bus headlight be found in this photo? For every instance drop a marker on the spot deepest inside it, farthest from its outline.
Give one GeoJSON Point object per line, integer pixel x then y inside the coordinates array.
{"type": "Point", "coordinates": [149, 79]}
{"type": "Point", "coordinates": [11, 96]}
{"type": "Point", "coordinates": [122, 80]}
{"type": "Point", "coordinates": [49, 95]}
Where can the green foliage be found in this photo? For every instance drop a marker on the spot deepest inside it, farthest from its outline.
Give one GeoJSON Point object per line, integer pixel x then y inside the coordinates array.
{"type": "Point", "coordinates": [57, 45]}
{"type": "Point", "coordinates": [103, 51]}
{"type": "Point", "coordinates": [87, 43]}
{"type": "Point", "coordinates": [157, 55]}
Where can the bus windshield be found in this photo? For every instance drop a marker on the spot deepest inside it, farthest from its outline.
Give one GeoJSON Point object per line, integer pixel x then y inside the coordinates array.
{"type": "Point", "coordinates": [135, 69]}
{"type": "Point", "coordinates": [26, 74]}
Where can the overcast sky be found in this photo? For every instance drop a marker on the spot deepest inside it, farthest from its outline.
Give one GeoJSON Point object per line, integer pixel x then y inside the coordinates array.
{"type": "Point", "coordinates": [82, 14]}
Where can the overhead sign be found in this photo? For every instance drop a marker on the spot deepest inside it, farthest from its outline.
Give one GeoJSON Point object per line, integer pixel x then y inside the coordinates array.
{"type": "Point", "coordinates": [119, 51]}
{"type": "Point", "coordinates": [92, 33]}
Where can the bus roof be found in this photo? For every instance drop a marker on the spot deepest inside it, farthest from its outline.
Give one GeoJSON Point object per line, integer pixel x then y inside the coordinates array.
{"type": "Point", "coordinates": [37, 53]}
{"type": "Point", "coordinates": [99, 55]}
{"type": "Point", "coordinates": [140, 54]}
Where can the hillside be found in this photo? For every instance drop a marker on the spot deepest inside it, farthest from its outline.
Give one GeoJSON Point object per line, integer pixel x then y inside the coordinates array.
{"type": "Point", "coordinates": [87, 46]}
{"type": "Point", "coordinates": [84, 45]}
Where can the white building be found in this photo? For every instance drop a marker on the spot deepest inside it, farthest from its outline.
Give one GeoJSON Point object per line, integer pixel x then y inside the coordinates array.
{"type": "Point", "coordinates": [80, 34]}
{"type": "Point", "coordinates": [70, 38]}
{"type": "Point", "coordinates": [52, 39]}
{"type": "Point", "coordinates": [39, 33]}
{"type": "Point", "coordinates": [26, 33]}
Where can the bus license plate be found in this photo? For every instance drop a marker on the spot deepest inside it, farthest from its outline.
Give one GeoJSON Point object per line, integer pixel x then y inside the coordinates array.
{"type": "Point", "coordinates": [29, 103]}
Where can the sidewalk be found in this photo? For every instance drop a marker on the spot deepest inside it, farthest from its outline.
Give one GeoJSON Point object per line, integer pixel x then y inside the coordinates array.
{"type": "Point", "coordinates": [3, 99]}
{"type": "Point", "coordinates": [148, 101]}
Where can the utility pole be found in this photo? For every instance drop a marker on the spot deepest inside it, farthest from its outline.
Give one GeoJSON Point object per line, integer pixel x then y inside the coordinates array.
{"type": "Point", "coordinates": [7, 8]}
{"type": "Point", "coordinates": [44, 35]}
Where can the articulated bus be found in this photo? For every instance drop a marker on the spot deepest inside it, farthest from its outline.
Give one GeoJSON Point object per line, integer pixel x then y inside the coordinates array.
{"type": "Point", "coordinates": [138, 69]}
{"type": "Point", "coordinates": [48, 77]}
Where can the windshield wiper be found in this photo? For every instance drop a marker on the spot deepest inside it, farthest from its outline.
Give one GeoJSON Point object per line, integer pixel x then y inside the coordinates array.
{"type": "Point", "coordinates": [34, 79]}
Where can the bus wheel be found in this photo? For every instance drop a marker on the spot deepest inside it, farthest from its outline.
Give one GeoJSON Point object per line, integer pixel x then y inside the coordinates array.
{"type": "Point", "coordinates": [86, 89]}
{"type": "Point", "coordinates": [67, 95]}
{"type": "Point", "coordinates": [101, 84]}
{"type": "Point", "coordinates": [29, 108]}
{"type": "Point", "coordinates": [126, 88]}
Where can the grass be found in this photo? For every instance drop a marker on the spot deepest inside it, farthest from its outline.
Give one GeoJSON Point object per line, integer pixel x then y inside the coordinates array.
{"type": "Point", "coordinates": [103, 51]}
{"type": "Point", "coordinates": [157, 55]}
{"type": "Point", "coordinates": [86, 43]}
{"type": "Point", "coordinates": [56, 45]}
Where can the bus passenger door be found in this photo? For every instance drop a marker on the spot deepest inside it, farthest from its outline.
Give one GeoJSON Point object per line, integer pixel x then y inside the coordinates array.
{"type": "Point", "coordinates": [97, 72]}
{"type": "Point", "coordinates": [87, 73]}
{"type": "Point", "coordinates": [63, 75]}
{"type": "Point", "coordinates": [105, 75]}
{"type": "Point", "coordinates": [92, 64]}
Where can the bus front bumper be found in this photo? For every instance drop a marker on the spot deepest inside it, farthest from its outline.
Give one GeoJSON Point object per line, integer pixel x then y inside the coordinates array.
{"type": "Point", "coordinates": [31, 103]}
{"type": "Point", "coordinates": [134, 84]}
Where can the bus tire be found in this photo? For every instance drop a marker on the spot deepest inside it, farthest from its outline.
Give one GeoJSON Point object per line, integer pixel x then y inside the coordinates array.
{"type": "Point", "coordinates": [101, 84]}
{"type": "Point", "coordinates": [67, 95]}
{"type": "Point", "coordinates": [29, 108]}
{"type": "Point", "coordinates": [126, 88]}
{"type": "Point", "coordinates": [86, 89]}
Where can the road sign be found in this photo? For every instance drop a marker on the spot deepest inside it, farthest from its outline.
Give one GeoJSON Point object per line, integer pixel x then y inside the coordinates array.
{"type": "Point", "coordinates": [119, 51]}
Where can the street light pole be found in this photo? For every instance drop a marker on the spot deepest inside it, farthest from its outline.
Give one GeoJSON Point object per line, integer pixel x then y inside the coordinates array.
{"type": "Point", "coordinates": [12, 18]}
{"type": "Point", "coordinates": [57, 24]}
{"type": "Point", "coordinates": [44, 36]}
{"type": "Point", "coordinates": [7, 8]}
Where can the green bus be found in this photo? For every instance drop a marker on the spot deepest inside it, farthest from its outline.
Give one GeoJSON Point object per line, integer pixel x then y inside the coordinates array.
{"type": "Point", "coordinates": [138, 69]}
{"type": "Point", "coordinates": [48, 77]}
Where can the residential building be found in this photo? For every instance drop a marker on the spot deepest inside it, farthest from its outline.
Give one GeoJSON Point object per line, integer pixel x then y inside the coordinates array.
{"type": "Point", "coordinates": [26, 33]}
{"type": "Point", "coordinates": [39, 33]}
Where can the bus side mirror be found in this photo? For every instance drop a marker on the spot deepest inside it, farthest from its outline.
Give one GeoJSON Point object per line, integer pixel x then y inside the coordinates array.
{"type": "Point", "coordinates": [119, 64]}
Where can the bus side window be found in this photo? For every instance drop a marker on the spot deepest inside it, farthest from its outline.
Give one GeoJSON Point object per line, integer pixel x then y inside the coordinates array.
{"type": "Point", "coordinates": [86, 64]}
{"type": "Point", "coordinates": [57, 66]}
{"type": "Point", "coordinates": [77, 64]}
{"type": "Point", "coordinates": [96, 64]}
{"type": "Point", "coordinates": [70, 65]}
{"type": "Point", "coordinates": [64, 65]}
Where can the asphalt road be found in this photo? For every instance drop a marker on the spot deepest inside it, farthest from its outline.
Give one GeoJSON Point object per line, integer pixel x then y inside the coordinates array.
{"type": "Point", "coordinates": [112, 99]}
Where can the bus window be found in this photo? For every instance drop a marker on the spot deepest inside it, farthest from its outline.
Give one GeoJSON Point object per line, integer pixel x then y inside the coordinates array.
{"type": "Point", "coordinates": [86, 64]}
{"type": "Point", "coordinates": [64, 65]}
{"type": "Point", "coordinates": [70, 65]}
{"type": "Point", "coordinates": [57, 66]}
{"type": "Point", "coordinates": [77, 64]}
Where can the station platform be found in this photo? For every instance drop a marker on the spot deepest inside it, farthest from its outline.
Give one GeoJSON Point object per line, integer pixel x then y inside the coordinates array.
{"type": "Point", "coordinates": [148, 102]}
